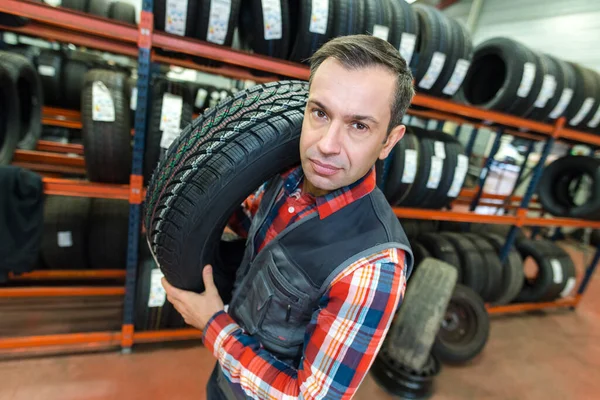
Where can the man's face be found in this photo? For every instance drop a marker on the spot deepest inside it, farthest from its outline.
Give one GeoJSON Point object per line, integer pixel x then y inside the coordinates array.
{"type": "Point", "coordinates": [345, 124]}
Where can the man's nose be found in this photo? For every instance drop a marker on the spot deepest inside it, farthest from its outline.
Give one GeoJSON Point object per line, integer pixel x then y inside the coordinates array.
{"type": "Point", "coordinates": [331, 141]}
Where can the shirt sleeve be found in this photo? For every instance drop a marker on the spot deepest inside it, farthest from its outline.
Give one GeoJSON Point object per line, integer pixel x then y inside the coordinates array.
{"type": "Point", "coordinates": [241, 219]}
{"type": "Point", "coordinates": [342, 338]}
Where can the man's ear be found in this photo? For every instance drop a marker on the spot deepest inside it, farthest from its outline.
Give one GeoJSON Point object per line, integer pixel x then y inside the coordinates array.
{"type": "Point", "coordinates": [395, 135]}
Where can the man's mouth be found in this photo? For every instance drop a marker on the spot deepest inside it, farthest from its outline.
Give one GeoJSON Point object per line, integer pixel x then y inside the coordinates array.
{"type": "Point", "coordinates": [323, 168]}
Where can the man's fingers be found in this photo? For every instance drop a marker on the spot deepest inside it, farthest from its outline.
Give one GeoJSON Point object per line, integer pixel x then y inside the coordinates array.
{"type": "Point", "coordinates": [209, 283]}
{"type": "Point", "coordinates": [171, 290]}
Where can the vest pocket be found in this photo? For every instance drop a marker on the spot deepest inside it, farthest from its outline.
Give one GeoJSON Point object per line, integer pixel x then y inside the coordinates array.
{"type": "Point", "coordinates": [253, 309]}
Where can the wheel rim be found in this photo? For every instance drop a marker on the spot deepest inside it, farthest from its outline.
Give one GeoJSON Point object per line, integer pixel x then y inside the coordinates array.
{"type": "Point", "coordinates": [459, 325]}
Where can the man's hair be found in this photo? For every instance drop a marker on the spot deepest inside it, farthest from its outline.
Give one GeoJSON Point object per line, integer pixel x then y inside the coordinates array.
{"type": "Point", "coordinates": [362, 51]}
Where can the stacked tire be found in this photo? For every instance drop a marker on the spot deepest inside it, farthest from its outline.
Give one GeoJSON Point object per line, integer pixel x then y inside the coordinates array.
{"type": "Point", "coordinates": [117, 10]}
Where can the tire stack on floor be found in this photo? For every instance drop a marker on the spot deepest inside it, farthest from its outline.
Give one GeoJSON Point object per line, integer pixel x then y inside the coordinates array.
{"type": "Point", "coordinates": [507, 76]}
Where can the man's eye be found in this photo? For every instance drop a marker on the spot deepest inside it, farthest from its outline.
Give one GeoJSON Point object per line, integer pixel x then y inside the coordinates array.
{"type": "Point", "coordinates": [359, 126]}
{"type": "Point", "coordinates": [319, 114]}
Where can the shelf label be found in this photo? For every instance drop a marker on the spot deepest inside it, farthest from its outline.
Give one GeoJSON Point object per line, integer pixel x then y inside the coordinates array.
{"type": "Point", "coordinates": [583, 111]}
{"type": "Point", "coordinates": [460, 173]}
{"type": "Point", "coordinates": [407, 46]}
{"type": "Point", "coordinates": [157, 296]}
{"type": "Point", "coordinates": [218, 21]}
{"type": "Point", "coordinates": [272, 19]}
{"type": "Point", "coordinates": [595, 119]}
{"type": "Point", "coordinates": [568, 287]}
{"type": "Point", "coordinates": [557, 271]}
{"type": "Point", "coordinates": [46, 70]}
{"type": "Point", "coordinates": [410, 166]}
{"type": "Point", "coordinates": [457, 78]}
{"type": "Point", "coordinates": [526, 80]}
{"type": "Point", "coordinates": [381, 32]}
{"type": "Point", "coordinates": [563, 102]}
{"type": "Point", "coordinates": [64, 239]}
{"type": "Point", "coordinates": [439, 149]}
{"type": "Point", "coordinates": [435, 173]}
{"type": "Point", "coordinates": [133, 100]}
{"type": "Point", "coordinates": [433, 71]}
{"type": "Point", "coordinates": [103, 107]}
{"type": "Point", "coordinates": [319, 16]}
{"type": "Point", "coordinates": [176, 16]}
{"type": "Point", "coordinates": [547, 91]}
{"type": "Point", "coordinates": [201, 98]}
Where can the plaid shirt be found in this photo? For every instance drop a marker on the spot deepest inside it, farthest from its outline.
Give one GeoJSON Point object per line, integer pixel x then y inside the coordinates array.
{"type": "Point", "coordinates": [343, 336]}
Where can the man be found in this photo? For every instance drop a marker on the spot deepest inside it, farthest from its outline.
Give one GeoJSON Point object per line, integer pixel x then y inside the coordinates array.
{"type": "Point", "coordinates": [326, 264]}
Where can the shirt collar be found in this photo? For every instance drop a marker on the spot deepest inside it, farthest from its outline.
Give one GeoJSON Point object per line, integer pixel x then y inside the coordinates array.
{"type": "Point", "coordinates": [336, 200]}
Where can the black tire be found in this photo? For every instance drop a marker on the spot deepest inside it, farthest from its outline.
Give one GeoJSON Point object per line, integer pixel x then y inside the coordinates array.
{"type": "Point", "coordinates": [252, 30]}
{"type": "Point", "coordinates": [555, 190]}
{"type": "Point", "coordinates": [99, 8]}
{"type": "Point", "coordinates": [155, 317]}
{"type": "Point", "coordinates": [203, 20]}
{"type": "Point", "coordinates": [543, 287]}
{"type": "Point", "coordinates": [420, 253]}
{"type": "Point", "coordinates": [418, 189]}
{"type": "Point", "coordinates": [74, 76]}
{"type": "Point", "coordinates": [308, 42]}
{"type": "Point", "coordinates": [547, 99]}
{"type": "Point", "coordinates": [64, 242]}
{"type": "Point", "coordinates": [50, 68]}
{"type": "Point", "coordinates": [474, 272]}
{"type": "Point", "coordinates": [419, 317]}
{"type": "Point", "coordinates": [246, 148]}
{"type": "Point", "coordinates": [108, 234]}
{"type": "Point", "coordinates": [441, 248]}
{"type": "Point", "coordinates": [160, 15]}
{"type": "Point", "coordinates": [512, 271]}
{"type": "Point", "coordinates": [401, 179]}
{"type": "Point", "coordinates": [349, 18]}
{"type": "Point", "coordinates": [465, 328]}
{"type": "Point", "coordinates": [121, 11]}
{"type": "Point", "coordinates": [378, 12]}
{"type": "Point", "coordinates": [77, 5]}
{"type": "Point", "coordinates": [585, 98]}
{"type": "Point", "coordinates": [451, 78]}
{"type": "Point", "coordinates": [563, 99]}
{"type": "Point", "coordinates": [493, 265]}
{"type": "Point", "coordinates": [453, 176]}
{"type": "Point", "coordinates": [496, 73]}
{"type": "Point", "coordinates": [107, 145]}
{"type": "Point", "coordinates": [30, 98]}
{"type": "Point", "coordinates": [9, 117]}
{"type": "Point", "coordinates": [154, 151]}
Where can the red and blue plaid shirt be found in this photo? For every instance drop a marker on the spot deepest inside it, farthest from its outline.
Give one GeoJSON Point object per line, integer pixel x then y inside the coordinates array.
{"type": "Point", "coordinates": [343, 336]}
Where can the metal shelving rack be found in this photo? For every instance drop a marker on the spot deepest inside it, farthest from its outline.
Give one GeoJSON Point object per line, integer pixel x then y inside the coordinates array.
{"type": "Point", "coordinates": [57, 24]}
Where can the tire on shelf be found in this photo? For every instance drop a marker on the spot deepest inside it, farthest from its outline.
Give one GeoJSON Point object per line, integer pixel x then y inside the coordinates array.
{"type": "Point", "coordinates": [565, 97]}
{"type": "Point", "coordinates": [160, 18]}
{"type": "Point", "coordinates": [585, 98]}
{"type": "Point", "coordinates": [107, 144]}
{"type": "Point", "coordinates": [546, 285]}
{"type": "Point", "coordinates": [77, 5]}
{"type": "Point", "coordinates": [64, 241]}
{"type": "Point", "coordinates": [108, 234]}
{"type": "Point", "coordinates": [378, 18]}
{"type": "Point", "coordinates": [50, 69]}
{"type": "Point", "coordinates": [418, 189]}
{"type": "Point", "coordinates": [29, 97]}
{"type": "Point", "coordinates": [442, 249]}
{"type": "Point", "coordinates": [474, 272]}
{"type": "Point", "coordinates": [99, 7]}
{"type": "Point", "coordinates": [403, 169]}
{"type": "Point", "coordinates": [413, 330]}
{"type": "Point", "coordinates": [405, 29]}
{"type": "Point", "coordinates": [349, 18]}
{"type": "Point", "coordinates": [552, 87]}
{"type": "Point", "coordinates": [307, 42]}
{"type": "Point", "coordinates": [491, 262]}
{"type": "Point", "coordinates": [204, 20]}
{"type": "Point", "coordinates": [121, 11]}
{"type": "Point", "coordinates": [252, 29]}
{"type": "Point", "coordinates": [454, 173]}
{"type": "Point", "coordinates": [160, 87]}
{"type": "Point", "coordinates": [246, 145]}
{"type": "Point", "coordinates": [420, 253]}
{"type": "Point", "coordinates": [465, 328]}
{"type": "Point", "coordinates": [74, 76]}
{"type": "Point", "coordinates": [498, 68]}
{"type": "Point", "coordinates": [9, 118]}
{"type": "Point", "coordinates": [512, 271]}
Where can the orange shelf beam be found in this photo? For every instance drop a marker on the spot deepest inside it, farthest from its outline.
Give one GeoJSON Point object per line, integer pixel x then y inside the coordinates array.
{"type": "Point", "coordinates": [521, 307]}
{"type": "Point", "coordinates": [46, 145]}
{"type": "Point", "coordinates": [93, 339]}
{"type": "Point", "coordinates": [63, 123]}
{"type": "Point", "coordinates": [54, 112]}
{"type": "Point", "coordinates": [566, 222]}
{"type": "Point", "coordinates": [46, 157]}
{"type": "Point", "coordinates": [49, 168]}
{"type": "Point", "coordinates": [69, 275]}
{"type": "Point", "coordinates": [438, 215]}
{"type": "Point", "coordinates": [166, 335]}
{"type": "Point", "coordinates": [12, 292]}
{"type": "Point", "coordinates": [78, 188]}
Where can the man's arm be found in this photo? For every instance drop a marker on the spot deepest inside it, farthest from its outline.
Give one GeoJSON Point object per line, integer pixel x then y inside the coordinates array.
{"type": "Point", "coordinates": [343, 337]}
{"type": "Point", "coordinates": [241, 219]}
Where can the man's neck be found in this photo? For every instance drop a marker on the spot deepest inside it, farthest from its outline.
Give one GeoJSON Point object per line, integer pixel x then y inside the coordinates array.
{"type": "Point", "coordinates": [308, 187]}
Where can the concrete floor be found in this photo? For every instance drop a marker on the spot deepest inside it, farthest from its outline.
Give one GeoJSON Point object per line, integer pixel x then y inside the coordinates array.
{"type": "Point", "coordinates": [550, 355]}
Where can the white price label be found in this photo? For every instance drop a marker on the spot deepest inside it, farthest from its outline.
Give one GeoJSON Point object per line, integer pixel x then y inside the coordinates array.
{"type": "Point", "coordinates": [526, 80]}
{"type": "Point", "coordinates": [170, 113]}
{"type": "Point", "coordinates": [103, 106]}
{"type": "Point", "coordinates": [46, 70]}
{"type": "Point", "coordinates": [381, 32]}
{"type": "Point", "coordinates": [568, 287]}
{"type": "Point", "coordinates": [176, 16]}
{"type": "Point", "coordinates": [410, 166]}
{"type": "Point", "coordinates": [272, 19]}
{"type": "Point", "coordinates": [435, 173]}
{"type": "Point", "coordinates": [433, 71]}
{"type": "Point", "coordinates": [457, 78]}
{"type": "Point", "coordinates": [218, 21]}
{"type": "Point", "coordinates": [168, 136]}
{"type": "Point", "coordinates": [557, 271]}
{"type": "Point", "coordinates": [563, 102]}
{"type": "Point", "coordinates": [407, 46]}
{"type": "Point", "coordinates": [157, 296]}
{"type": "Point", "coordinates": [319, 16]}
{"type": "Point", "coordinates": [439, 149]}
{"type": "Point", "coordinates": [583, 111]}
{"type": "Point", "coordinates": [595, 119]}
{"type": "Point", "coordinates": [201, 98]}
{"type": "Point", "coordinates": [460, 172]}
{"type": "Point", "coordinates": [64, 239]}
{"type": "Point", "coordinates": [547, 91]}
{"type": "Point", "coordinates": [133, 100]}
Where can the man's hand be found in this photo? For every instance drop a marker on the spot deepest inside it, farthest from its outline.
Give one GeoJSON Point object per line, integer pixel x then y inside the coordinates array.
{"type": "Point", "coordinates": [195, 308]}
